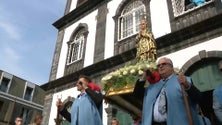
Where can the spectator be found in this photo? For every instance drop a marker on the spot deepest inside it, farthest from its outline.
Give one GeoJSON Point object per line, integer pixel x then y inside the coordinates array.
{"type": "Point", "coordinates": [115, 121]}
{"type": "Point", "coordinates": [136, 120]}
{"type": "Point", "coordinates": [18, 121]}
{"type": "Point", "coordinates": [37, 120]}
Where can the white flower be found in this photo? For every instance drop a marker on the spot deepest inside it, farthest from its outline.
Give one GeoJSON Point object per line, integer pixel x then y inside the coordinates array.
{"type": "Point", "coordinates": [121, 69]}
{"type": "Point", "coordinates": [106, 78]}
{"type": "Point", "coordinates": [132, 71]}
{"type": "Point", "coordinates": [140, 72]}
{"type": "Point", "coordinates": [148, 66]}
{"type": "Point", "coordinates": [139, 68]}
{"type": "Point", "coordinates": [117, 73]}
{"type": "Point", "coordinates": [125, 73]}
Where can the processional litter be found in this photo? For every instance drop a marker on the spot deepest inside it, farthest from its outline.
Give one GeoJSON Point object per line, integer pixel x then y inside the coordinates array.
{"type": "Point", "coordinates": [119, 84]}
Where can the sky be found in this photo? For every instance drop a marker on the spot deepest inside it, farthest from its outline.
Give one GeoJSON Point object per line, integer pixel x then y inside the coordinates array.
{"type": "Point", "coordinates": [28, 38]}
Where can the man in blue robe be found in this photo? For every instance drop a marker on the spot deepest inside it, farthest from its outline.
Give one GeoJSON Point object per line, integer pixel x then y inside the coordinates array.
{"type": "Point", "coordinates": [87, 108]}
{"type": "Point", "coordinates": [173, 111]}
{"type": "Point", "coordinates": [217, 103]}
{"type": "Point", "coordinates": [217, 99]}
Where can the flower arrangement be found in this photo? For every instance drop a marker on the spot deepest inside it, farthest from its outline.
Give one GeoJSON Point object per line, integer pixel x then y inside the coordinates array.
{"type": "Point", "coordinates": [126, 76]}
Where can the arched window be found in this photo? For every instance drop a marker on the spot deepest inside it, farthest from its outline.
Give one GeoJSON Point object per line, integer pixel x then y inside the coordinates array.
{"type": "Point", "coordinates": [75, 47]}
{"type": "Point", "coordinates": [183, 6]}
{"type": "Point", "coordinates": [128, 22]}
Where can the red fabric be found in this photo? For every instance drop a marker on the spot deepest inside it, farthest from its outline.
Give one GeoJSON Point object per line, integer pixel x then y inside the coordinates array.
{"type": "Point", "coordinates": [156, 78]}
{"type": "Point", "coordinates": [94, 86]}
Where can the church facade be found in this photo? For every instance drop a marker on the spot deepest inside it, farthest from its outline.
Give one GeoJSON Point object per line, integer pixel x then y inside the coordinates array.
{"type": "Point", "coordinates": [98, 37]}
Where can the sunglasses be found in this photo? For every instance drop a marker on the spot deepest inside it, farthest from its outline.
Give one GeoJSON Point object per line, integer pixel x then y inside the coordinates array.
{"type": "Point", "coordinates": [162, 64]}
{"type": "Point", "coordinates": [79, 82]}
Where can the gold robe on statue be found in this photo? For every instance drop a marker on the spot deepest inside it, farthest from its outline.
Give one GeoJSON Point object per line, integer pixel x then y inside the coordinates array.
{"type": "Point", "coordinates": [146, 46]}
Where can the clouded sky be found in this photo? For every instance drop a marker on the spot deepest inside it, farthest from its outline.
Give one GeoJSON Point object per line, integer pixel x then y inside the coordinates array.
{"type": "Point", "coordinates": [27, 37]}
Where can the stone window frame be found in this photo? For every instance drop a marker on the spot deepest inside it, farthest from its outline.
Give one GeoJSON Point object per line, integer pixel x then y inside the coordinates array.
{"type": "Point", "coordinates": [179, 7]}
{"type": "Point", "coordinates": [81, 32]}
{"type": "Point", "coordinates": [134, 26]}
{"type": "Point", "coordinates": [29, 85]}
{"type": "Point", "coordinates": [6, 76]}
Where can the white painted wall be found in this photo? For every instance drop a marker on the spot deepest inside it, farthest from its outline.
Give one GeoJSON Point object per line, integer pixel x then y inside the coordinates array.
{"type": "Point", "coordinates": [159, 18]}
{"type": "Point", "coordinates": [109, 42]}
{"type": "Point", "coordinates": [73, 5]}
{"type": "Point", "coordinates": [179, 58]}
{"type": "Point", "coordinates": [90, 46]}
{"type": "Point", "coordinates": [90, 20]}
{"type": "Point", "coordinates": [105, 117]}
{"type": "Point", "coordinates": [63, 95]}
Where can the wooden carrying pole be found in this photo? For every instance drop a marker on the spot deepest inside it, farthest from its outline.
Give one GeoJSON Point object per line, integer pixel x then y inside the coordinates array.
{"type": "Point", "coordinates": [187, 106]}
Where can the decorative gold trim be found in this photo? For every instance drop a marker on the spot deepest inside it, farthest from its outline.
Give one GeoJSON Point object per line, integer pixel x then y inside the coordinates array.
{"type": "Point", "coordinates": [121, 91]}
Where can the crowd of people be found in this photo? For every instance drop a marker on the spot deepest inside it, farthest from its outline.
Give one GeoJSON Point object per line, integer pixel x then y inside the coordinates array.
{"type": "Point", "coordinates": [37, 120]}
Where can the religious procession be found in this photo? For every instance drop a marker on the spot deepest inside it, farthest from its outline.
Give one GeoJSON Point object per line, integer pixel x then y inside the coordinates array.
{"type": "Point", "coordinates": [162, 94]}
{"type": "Point", "coordinates": [132, 62]}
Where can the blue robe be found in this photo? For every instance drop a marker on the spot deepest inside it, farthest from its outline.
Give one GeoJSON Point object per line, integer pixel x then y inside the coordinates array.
{"type": "Point", "coordinates": [176, 112]}
{"type": "Point", "coordinates": [204, 119]}
{"type": "Point", "coordinates": [217, 102]}
{"type": "Point", "coordinates": [218, 94]}
{"type": "Point", "coordinates": [85, 112]}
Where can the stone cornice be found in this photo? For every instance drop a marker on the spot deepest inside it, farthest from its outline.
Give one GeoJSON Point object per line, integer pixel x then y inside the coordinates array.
{"type": "Point", "coordinates": [75, 14]}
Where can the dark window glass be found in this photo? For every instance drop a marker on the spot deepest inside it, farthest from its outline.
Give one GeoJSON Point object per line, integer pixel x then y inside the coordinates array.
{"type": "Point", "coordinates": [1, 105]}
{"type": "Point", "coordinates": [28, 94]}
{"type": "Point", "coordinates": [4, 84]}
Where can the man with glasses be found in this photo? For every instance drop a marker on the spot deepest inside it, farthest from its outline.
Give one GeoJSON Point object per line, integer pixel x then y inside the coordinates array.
{"type": "Point", "coordinates": [163, 101]}
{"type": "Point", "coordinates": [217, 98]}
{"type": "Point", "coordinates": [87, 108]}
